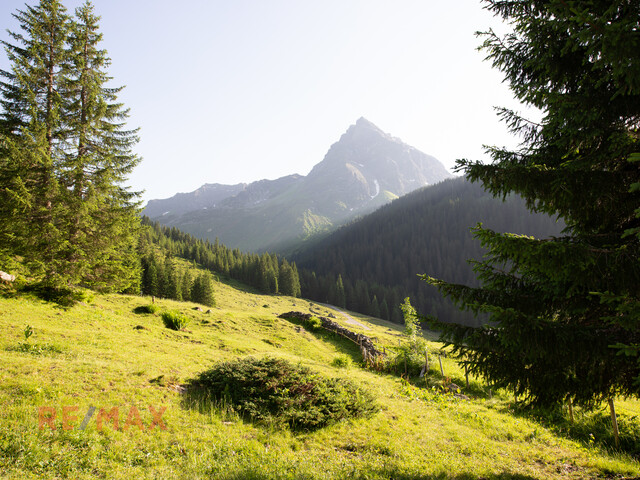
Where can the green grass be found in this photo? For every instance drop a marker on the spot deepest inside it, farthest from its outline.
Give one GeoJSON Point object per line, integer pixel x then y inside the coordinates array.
{"type": "Point", "coordinates": [104, 355]}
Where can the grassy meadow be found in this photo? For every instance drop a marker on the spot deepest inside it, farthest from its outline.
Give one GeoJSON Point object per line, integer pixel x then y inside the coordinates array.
{"type": "Point", "coordinates": [102, 354]}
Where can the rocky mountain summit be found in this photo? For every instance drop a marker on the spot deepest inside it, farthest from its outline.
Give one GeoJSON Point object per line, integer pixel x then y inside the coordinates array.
{"type": "Point", "coordinates": [364, 169]}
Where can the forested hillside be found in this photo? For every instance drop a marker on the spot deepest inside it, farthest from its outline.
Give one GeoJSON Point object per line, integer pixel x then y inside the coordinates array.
{"type": "Point", "coordinates": [372, 264]}
{"type": "Point", "coordinates": [161, 277]}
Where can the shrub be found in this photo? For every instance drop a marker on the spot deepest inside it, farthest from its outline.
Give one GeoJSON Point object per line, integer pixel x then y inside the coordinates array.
{"type": "Point", "coordinates": [274, 391]}
{"type": "Point", "coordinates": [174, 320]}
{"type": "Point", "coordinates": [310, 323]}
{"type": "Point", "coordinates": [341, 361]}
{"type": "Point", "coordinates": [314, 324]}
{"type": "Point", "coordinates": [151, 308]}
{"type": "Point", "coordinates": [405, 361]}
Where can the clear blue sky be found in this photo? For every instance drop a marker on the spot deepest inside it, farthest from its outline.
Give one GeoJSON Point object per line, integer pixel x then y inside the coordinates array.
{"type": "Point", "coordinates": [239, 90]}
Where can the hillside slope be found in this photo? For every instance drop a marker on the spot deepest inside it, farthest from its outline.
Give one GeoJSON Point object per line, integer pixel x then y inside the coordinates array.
{"type": "Point", "coordinates": [100, 354]}
{"type": "Point", "coordinates": [365, 169]}
{"type": "Point", "coordinates": [426, 231]}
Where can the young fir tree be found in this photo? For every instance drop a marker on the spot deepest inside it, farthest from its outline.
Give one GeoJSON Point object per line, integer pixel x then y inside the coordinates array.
{"type": "Point", "coordinates": [208, 297]}
{"type": "Point", "coordinates": [65, 153]}
{"type": "Point", "coordinates": [557, 324]}
{"type": "Point", "coordinates": [338, 296]}
{"type": "Point", "coordinates": [185, 286]}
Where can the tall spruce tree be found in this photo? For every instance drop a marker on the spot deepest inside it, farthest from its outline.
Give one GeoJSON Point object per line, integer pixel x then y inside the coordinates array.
{"type": "Point", "coordinates": [65, 154]}
{"type": "Point", "coordinates": [558, 309]}
{"type": "Point", "coordinates": [103, 213]}
{"type": "Point", "coordinates": [32, 129]}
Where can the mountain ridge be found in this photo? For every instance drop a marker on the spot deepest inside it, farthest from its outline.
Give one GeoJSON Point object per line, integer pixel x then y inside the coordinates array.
{"type": "Point", "coordinates": [365, 169]}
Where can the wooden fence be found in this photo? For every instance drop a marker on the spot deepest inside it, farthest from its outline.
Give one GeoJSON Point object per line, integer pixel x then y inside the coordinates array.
{"type": "Point", "coordinates": [370, 354]}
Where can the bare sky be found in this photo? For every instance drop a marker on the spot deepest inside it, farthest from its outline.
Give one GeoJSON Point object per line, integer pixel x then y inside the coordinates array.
{"type": "Point", "coordinates": [239, 90]}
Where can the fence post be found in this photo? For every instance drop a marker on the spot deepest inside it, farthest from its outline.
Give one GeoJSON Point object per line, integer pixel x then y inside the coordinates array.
{"type": "Point", "coordinates": [466, 374]}
{"type": "Point", "coordinates": [614, 422]}
{"type": "Point", "coordinates": [426, 360]}
{"type": "Point", "coordinates": [441, 369]}
{"type": "Point", "coordinates": [570, 403]}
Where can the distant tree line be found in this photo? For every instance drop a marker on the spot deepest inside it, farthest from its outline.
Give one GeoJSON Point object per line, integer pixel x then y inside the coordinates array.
{"type": "Point", "coordinates": [371, 265]}
{"type": "Point", "coordinates": [265, 272]}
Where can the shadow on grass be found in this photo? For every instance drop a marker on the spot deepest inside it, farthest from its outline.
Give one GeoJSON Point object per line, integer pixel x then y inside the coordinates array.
{"type": "Point", "coordinates": [386, 473]}
{"type": "Point", "coordinates": [238, 285]}
{"type": "Point", "coordinates": [591, 428]}
{"type": "Point", "coordinates": [341, 343]}
{"type": "Point", "coordinates": [63, 297]}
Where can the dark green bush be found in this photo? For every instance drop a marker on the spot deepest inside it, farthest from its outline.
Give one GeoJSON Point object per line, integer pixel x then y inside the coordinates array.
{"type": "Point", "coordinates": [312, 324]}
{"type": "Point", "coordinates": [151, 308]}
{"type": "Point", "coordinates": [274, 391]}
{"type": "Point", "coordinates": [174, 320]}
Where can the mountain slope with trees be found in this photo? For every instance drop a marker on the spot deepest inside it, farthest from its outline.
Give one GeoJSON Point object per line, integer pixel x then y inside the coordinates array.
{"type": "Point", "coordinates": [371, 265]}
{"type": "Point", "coordinates": [159, 245]}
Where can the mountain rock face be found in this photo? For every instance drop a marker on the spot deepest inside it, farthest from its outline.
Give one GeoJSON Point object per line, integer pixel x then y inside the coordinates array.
{"type": "Point", "coordinates": [208, 195]}
{"type": "Point", "coordinates": [365, 169]}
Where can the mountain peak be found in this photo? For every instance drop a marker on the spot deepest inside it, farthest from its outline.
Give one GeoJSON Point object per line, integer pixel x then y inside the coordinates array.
{"type": "Point", "coordinates": [363, 122]}
{"type": "Point", "coordinates": [365, 132]}
{"type": "Point", "coordinates": [365, 125]}
{"type": "Point", "coordinates": [365, 169]}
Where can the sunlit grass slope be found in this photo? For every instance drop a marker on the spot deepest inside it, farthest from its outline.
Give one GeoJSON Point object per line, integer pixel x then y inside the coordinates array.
{"type": "Point", "coordinates": [101, 354]}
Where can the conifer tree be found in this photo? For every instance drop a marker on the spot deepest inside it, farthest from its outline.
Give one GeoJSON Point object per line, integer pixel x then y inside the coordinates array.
{"type": "Point", "coordinates": [384, 310]}
{"type": "Point", "coordinates": [297, 289]}
{"type": "Point", "coordinates": [208, 298]}
{"type": "Point", "coordinates": [374, 311]}
{"type": "Point", "coordinates": [65, 154]}
{"type": "Point", "coordinates": [149, 277]}
{"type": "Point", "coordinates": [339, 296]}
{"type": "Point", "coordinates": [288, 282]}
{"type": "Point", "coordinates": [104, 220]}
{"type": "Point", "coordinates": [31, 124]}
{"type": "Point", "coordinates": [185, 286]}
{"type": "Point", "coordinates": [557, 326]}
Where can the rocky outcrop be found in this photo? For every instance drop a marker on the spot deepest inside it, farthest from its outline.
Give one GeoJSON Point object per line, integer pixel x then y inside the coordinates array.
{"type": "Point", "coordinates": [7, 278]}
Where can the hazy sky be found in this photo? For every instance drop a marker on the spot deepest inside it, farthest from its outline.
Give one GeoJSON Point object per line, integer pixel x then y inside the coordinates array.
{"type": "Point", "coordinates": [239, 90]}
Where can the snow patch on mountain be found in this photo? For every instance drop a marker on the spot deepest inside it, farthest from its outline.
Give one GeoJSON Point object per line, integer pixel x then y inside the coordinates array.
{"type": "Point", "coordinates": [375, 182]}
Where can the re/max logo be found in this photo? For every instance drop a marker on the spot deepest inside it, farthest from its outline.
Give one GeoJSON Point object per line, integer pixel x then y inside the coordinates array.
{"type": "Point", "coordinates": [48, 415]}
